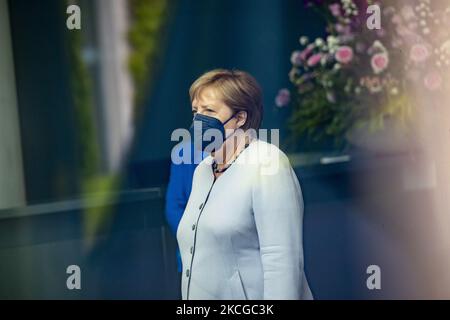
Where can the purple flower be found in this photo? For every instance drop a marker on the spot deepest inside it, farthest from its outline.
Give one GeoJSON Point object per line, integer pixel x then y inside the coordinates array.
{"type": "Point", "coordinates": [308, 76]}
{"type": "Point", "coordinates": [343, 29]}
{"type": "Point", "coordinates": [310, 3]}
{"type": "Point", "coordinates": [381, 33]}
{"type": "Point", "coordinates": [283, 98]}
{"type": "Point", "coordinates": [296, 58]}
{"type": "Point", "coordinates": [360, 47]}
{"type": "Point", "coordinates": [331, 97]}
{"type": "Point", "coordinates": [335, 9]}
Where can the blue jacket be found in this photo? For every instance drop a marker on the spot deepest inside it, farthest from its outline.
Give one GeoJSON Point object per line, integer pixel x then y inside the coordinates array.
{"type": "Point", "coordinates": [179, 189]}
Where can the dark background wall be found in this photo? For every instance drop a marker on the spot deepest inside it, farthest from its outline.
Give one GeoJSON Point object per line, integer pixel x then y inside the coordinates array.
{"type": "Point", "coordinates": [256, 36]}
{"type": "Point", "coordinates": [47, 120]}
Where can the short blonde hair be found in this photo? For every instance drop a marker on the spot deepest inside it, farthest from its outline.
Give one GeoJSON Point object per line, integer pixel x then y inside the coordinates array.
{"type": "Point", "coordinates": [237, 89]}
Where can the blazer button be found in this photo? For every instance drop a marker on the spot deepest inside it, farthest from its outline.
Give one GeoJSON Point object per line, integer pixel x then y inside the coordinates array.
{"type": "Point", "coordinates": [187, 272]}
{"type": "Point", "coordinates": [193, 226]}
{"type": "Point", "coordinates": [201, 206]}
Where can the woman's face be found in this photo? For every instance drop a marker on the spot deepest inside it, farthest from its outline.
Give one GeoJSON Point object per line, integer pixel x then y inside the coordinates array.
{"type": "Point", "coordinates": [207, 103]}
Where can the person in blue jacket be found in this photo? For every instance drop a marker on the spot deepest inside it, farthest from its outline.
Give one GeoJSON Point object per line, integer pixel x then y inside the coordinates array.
{"type": "Point", "coordinates": [179, 188]}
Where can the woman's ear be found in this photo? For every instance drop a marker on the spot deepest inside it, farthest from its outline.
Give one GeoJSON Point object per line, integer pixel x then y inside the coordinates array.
{"type": "Point", "coordinates": [241, 118]}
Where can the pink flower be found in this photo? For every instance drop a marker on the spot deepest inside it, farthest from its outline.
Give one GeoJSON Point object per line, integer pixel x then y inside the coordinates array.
{"type": "Point", "coordinates": [283, 98]}
{"type": "Point", "coordinates": [335, 9]}
{"type": "Point", "coordinates": [314, 59]}
{"type": "Point", "coordinates": [433, 81]}
{"type": "Point", "coordinates": [305, 53]}
{"type": "Point", "coordinates": [419, 53]}
{"type": "Point", "coordinates": [379, 62]}
{"type": "Point", "coordinates": [344, 54]}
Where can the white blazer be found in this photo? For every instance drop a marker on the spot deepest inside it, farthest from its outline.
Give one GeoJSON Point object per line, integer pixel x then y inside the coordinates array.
{"type": "Point", "coordinates": [240, 236]}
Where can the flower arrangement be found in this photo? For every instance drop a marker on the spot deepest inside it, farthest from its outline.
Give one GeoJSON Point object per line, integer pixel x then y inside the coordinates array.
{"type": "Point", "coordinates": [356, 77]}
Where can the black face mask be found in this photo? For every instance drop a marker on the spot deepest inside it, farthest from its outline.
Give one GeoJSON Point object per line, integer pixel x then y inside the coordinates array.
{"type": "Point", "coordinates": [201, 124]}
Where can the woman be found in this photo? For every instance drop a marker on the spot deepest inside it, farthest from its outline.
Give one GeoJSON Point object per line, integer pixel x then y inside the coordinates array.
{"type": "Point", "coordinates": [240, 236]}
